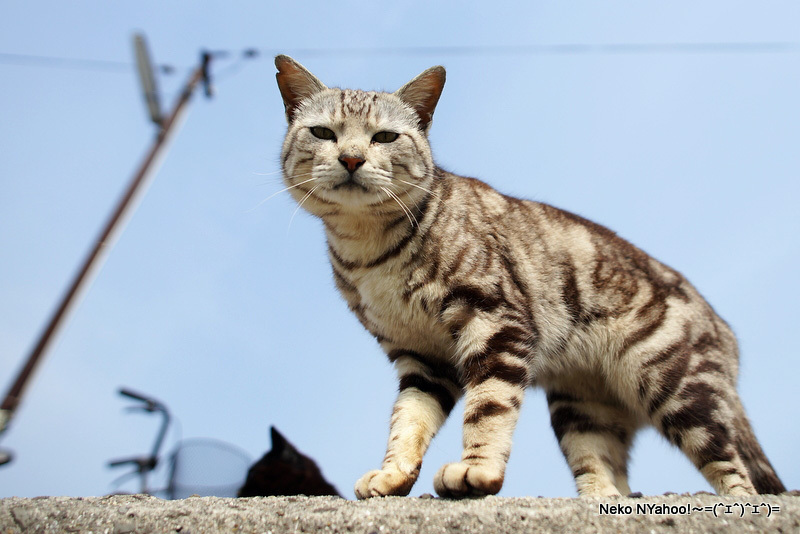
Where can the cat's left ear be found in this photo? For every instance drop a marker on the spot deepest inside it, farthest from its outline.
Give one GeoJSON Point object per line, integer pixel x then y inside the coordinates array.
{"type": "Point", "coordinates": [422, 93]}
{"type": "Point", "coordinates": [285, 450]}
{"type": "Point", "coordinates": [295, 83]}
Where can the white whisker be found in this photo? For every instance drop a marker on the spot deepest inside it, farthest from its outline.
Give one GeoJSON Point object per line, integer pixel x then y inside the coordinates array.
{"type": "Point", "coordinates": [402, 205]}
{"type": "Point", "coordinates": [300, 205]}
{"type": "Point", "coordinates": [285, 179]}
{"type": "Point", "coordinates": [281, 179]}
{"type": "Point", "coordinates": [281, 191]}
{"type": "Point", "coordinates": [419, 187]}
{"type": "Point", "coordinates": [408, 194]}
{"type": "Point", "coordinates": [292, 177]}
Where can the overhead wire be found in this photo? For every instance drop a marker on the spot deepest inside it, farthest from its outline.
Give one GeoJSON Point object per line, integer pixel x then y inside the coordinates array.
{"type": "Point", "coordinates": [766, 47]}
{"type": "Point", "coordinates": [74, 63]}
{"type": "Point", "coordinates": [763, 47]}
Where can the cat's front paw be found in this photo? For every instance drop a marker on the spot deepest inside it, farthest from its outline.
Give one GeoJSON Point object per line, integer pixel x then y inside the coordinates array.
{"type": "Point", "coordinates": [382, 482]}
{"type": "Point", "coordinates": [463, 480]}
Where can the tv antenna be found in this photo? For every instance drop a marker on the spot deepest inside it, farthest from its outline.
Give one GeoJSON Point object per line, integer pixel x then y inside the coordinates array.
{"type": "Point", "coordinates": [147, 78]}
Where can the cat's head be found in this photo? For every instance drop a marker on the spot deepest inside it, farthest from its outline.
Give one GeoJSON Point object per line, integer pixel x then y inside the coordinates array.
{"type": "Point", "coordinates": [357, 151]}
{"type": "Point", "coordinates": [285, 471]}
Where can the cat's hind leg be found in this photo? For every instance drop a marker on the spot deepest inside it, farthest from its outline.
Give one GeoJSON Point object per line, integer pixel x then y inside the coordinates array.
{"type": "Point", "coordinates": [691, 399]}
{"type": "Point", "coordinates": [595, 438]}
{"type": "Point", "coordinates": [428, 391]}
{"type": "Point", "coordinates": [699, 420]}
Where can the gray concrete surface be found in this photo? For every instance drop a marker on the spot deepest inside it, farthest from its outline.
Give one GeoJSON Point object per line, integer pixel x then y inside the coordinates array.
{"type": "Point", "coordinates": [141, 514]}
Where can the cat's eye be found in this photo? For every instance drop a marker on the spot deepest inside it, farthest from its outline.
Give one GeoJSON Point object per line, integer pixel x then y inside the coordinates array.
{"type": "Point", "coordinates": [384, 137]}
{"type": "Point", "coordinates": [320, 132]}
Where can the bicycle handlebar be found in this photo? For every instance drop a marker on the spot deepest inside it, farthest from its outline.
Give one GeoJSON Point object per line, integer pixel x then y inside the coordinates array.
{"type": "Point", "coordinates": [151, 405]}
{"type": "Point", "coordinates": [138, 396]}
{"type": "Point", "coordinates": [143, 462]}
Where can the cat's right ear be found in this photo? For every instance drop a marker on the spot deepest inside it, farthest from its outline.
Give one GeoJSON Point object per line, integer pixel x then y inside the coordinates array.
{"type": "Point", "coordinates": [295, 83]}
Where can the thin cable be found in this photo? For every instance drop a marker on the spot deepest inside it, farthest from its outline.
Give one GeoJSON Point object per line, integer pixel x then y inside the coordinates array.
{"type": "Point", "coordinates": [777, 47]}
{"type": "Point", "coordinates": [74, 63]}
{"type": "Point", "coordinates": [766, 47]}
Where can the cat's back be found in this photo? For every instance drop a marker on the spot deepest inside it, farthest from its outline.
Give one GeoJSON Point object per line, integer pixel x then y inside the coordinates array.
{"type": "Point", "coordinates": [591, 285]}
{"type": "Point", "coordinates": [547, 237]}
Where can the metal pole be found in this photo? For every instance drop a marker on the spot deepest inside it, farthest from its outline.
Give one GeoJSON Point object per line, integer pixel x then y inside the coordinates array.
{"type": "Point", "coordinates": [102, 244]}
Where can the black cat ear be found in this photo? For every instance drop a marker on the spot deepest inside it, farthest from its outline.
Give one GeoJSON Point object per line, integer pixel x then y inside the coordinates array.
{"type": "Point", "coordinates": [422, 93]}
{"type": "Point", "coordinates": [278, 441]}
{"type": "Point", "coordinates": [295, 83]}
{"type": "Point", "coordinates": [282, 448]}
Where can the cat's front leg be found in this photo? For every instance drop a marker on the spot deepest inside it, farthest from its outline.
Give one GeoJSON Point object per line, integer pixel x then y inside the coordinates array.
{"type": "Point", "coordinates": [428, 391]}
{"type": "Point", "coordinates": [496, 378]}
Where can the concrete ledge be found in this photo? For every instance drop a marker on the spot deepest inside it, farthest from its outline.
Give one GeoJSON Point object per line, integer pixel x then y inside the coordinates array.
{"type": "Point", "coordinates": [129, 514]}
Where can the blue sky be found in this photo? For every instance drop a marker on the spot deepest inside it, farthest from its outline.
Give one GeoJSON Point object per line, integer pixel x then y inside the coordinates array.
{"type": "Point", "coordinates": [212, 302]}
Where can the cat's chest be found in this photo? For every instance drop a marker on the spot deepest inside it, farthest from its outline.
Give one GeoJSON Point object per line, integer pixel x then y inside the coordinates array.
{"type": "Point", "coordinates": [397, 314]}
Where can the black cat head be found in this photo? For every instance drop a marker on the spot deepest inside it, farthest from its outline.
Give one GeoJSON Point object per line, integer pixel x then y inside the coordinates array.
{"type": "Point", "coordinates": [285, 471]}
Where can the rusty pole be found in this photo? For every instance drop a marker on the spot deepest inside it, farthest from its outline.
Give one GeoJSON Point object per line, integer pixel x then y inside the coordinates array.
{"type": "Point", "coordinates": [101, 245]}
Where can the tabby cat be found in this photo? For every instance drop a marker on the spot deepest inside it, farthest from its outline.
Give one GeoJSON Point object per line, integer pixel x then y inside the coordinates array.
{"type": "Point", "coordinates": [471, 292]}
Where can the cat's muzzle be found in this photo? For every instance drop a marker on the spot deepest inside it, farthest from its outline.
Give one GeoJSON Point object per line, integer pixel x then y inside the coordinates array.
{"type": "Point", "coordinates": [350, 184]}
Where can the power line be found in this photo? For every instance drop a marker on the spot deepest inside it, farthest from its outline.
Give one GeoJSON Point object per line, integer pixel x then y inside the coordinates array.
{"type": "Point", "coordinates": [554, 49]}
{"type": "Point", "coordinates": [74, 63]}
{"type": "Point", "coordinates": [765, 47]}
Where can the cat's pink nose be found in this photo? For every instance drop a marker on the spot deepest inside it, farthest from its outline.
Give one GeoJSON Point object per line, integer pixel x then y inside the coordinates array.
{"type": "Point", "coordinates": [351, 163]}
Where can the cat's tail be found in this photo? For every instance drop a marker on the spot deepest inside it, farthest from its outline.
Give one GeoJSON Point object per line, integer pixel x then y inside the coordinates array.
{"type": "Point", "coordinates": [762, 473]}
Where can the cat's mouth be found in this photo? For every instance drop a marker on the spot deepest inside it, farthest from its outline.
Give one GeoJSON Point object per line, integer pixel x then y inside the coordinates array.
{"type": "Point", "coordinates": [351, 191]}
{"type": "Point", "coordinates": [350, 184]}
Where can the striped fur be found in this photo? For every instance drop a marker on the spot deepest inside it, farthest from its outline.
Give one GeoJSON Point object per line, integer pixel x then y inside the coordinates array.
{"type": "Point", "coordinates": [476, 294]}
